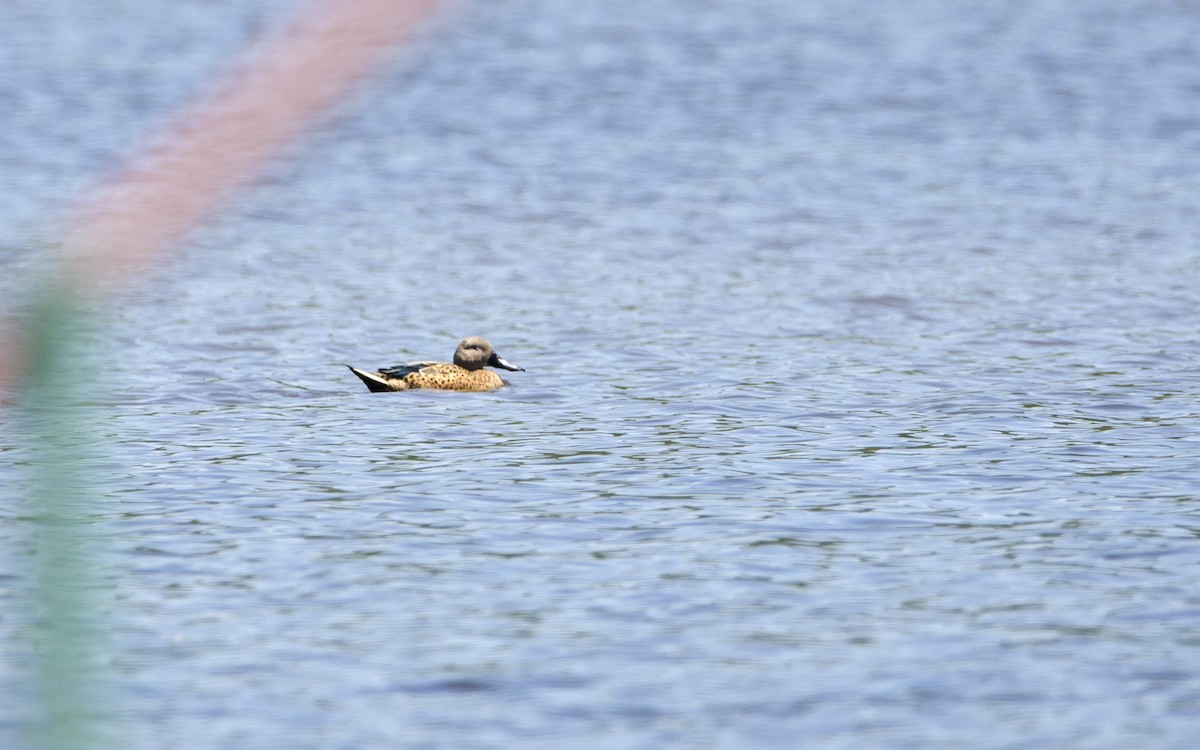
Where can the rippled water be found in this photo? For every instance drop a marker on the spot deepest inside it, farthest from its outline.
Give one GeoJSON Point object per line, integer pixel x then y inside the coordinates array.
{"type": "Point", "coordinates": [860, 403]}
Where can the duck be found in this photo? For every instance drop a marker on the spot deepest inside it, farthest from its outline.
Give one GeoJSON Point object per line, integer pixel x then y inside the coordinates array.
{"type": "Point", "coordinates": [466, 373]}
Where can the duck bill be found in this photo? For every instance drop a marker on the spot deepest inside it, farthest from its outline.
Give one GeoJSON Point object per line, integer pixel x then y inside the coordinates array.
{"type": "Point", "coordinates": [497, 361]}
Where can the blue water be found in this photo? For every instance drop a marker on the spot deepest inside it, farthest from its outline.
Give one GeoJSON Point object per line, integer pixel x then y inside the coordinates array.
{"type": "Point", "coordinates": [860, 403]}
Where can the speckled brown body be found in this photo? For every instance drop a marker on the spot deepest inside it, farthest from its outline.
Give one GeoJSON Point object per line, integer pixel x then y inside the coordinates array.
{"type": "Point", "coordinates": [447, 377]}
{"type": "Point", "coordinates": [465, 374]}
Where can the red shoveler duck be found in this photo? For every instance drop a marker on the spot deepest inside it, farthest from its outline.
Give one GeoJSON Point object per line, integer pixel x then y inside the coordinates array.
{"type": "Point", "coordinates": [466, 373]}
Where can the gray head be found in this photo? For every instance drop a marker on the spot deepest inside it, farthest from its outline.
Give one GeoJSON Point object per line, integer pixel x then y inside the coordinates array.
{"type": "Point", "coordinates": [475, 353]}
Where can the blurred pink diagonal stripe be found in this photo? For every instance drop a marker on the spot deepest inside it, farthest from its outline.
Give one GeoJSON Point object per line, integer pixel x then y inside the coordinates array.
{"type": "Point", "coordinates": [227, 136]}
{"type": "Point", "coordinates": [218, 143]}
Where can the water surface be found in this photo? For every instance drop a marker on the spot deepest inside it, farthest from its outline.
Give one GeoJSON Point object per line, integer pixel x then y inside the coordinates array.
{"type": "Point", "coordinates": [860, 402]}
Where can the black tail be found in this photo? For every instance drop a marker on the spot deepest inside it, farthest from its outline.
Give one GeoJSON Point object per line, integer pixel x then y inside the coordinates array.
{"type": "Point", "coordinates": [375, 383]}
